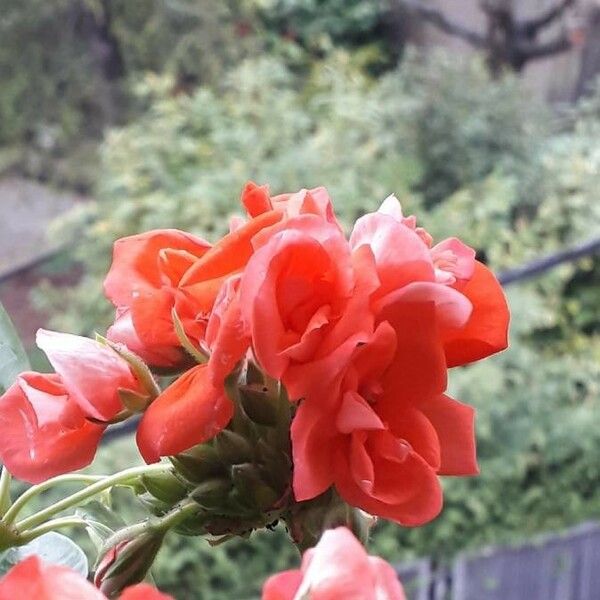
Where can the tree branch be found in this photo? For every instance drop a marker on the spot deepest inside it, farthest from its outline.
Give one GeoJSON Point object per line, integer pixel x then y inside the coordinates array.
{"type": "Point", "coordinates": [536, 51]}
{"type": "Point", "coordinates": [532, 26]}
{"type": "Point", "coordinates": [439, 20]}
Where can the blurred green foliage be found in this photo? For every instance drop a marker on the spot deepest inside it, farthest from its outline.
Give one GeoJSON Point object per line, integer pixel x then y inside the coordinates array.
{"type": "Point", "coordinates": [68, 67]}
{"type": "Point", "coordinates": [185, 160]}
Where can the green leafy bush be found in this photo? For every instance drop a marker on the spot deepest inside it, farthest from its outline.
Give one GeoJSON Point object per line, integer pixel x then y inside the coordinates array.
{"type": "Point", "coordinates": [68, 67]}
{"type": "Point", "coordinates": [183, 163]}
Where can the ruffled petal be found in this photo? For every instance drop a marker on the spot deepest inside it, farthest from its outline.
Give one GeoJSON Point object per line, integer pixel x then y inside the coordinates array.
{"type": "Point", "coordinates": [282, 586]}
{"type": "Point", "coordinates": [454, 426]}
{"type": "Point", "coordinates": [226, 334]}
{"type": "Point", "coordinates": [413, 482]}
{"type": "Point", "coordinates": [387, 584]}
{"type": "Point", "coordinates": [92, 373]}
{"type": "Point", "coordinates": [486, 331]}
{"type": "Point", "coordinates": [136, 264]}
{"type": "Point", "coordinates": [312, 438]}
{"type": "Point", "coordinates": [400, 254]}
{"type": "Point", "coordinates": [418, 369]}
{"type": "Point", "coordinates": [32, 578]}
{"type": "Point", "coordinates": [190, 411]}
{"type": "Point", "coordinates": [143, 591]}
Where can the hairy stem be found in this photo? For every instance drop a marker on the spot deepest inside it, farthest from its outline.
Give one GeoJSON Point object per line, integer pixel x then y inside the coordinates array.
{"type": "Point", "coordinates": [51, 525]}
{"type": "Point", "coordinates": [4, 491]}
{"type": "Point", "coordinates": [35, 490]}
{"type": "Point", "coordinates": [123, 478]}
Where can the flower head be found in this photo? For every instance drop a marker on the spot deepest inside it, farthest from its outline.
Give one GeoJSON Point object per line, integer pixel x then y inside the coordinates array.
{"type": "Point", "coordinates": [337, 567]}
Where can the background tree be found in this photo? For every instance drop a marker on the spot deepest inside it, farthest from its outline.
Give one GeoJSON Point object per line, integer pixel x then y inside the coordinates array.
{"type": "Point", "coordinates": [509, 42]}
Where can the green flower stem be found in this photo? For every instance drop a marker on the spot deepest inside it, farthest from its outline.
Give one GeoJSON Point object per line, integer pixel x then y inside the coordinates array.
{"type": "Point", "coordinates": [4, 491]}
{"type": "Point", "coordinates": [123, 478]}
{"type": "Point", "coordinates": [51, 525]}
{"type": "Point", "coordinates": [35, 490]}
{"type": "Point", "coordinates": [180, 513]}
{"type": "Point", "coordinates": [162, 524]}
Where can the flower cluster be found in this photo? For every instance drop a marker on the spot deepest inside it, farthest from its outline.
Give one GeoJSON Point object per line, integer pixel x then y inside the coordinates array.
{"type": "Point", "coordinates": [337, 567]}
{"type": "Point", "coordinates": [359, 331]}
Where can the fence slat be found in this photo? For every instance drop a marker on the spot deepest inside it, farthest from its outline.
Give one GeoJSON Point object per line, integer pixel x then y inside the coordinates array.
{"type": "Point", "coordinates": [558, 567]}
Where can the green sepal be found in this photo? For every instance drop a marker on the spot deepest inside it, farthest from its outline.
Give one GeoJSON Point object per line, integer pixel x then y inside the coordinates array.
{"type": "Point", "coordinates": [139, 368]}
{"type": "Point", "coordinates": [185, 341]}
{"type": "Point", "coordinates": [133, 401]}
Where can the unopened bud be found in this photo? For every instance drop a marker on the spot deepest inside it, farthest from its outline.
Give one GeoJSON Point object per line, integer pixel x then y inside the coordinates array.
{"type": "Point", "coordinates": [233, 448]}
{"type": "Point", "coordinates": [212, 493]}
{"type": "Point", "coordinates": [198, 463]}
{"type": "Point", "coordinates": [258, 404]}
{"type": "Point", "coordinates": [248, 480]}
{"type": "Point", "coordinates": [164, 487]}
{"type": "Point", "coordinates": [127, 562]}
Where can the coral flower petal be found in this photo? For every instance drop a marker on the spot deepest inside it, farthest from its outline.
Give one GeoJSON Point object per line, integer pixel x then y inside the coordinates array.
{"type": "Point", "coordinates": [485, 332]}
{"type": "Point", "coordinates": [190, 411]}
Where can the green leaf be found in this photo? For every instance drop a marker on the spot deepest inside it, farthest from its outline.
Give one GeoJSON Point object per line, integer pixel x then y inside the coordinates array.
{"type": "Point", "coordinates": [53, 548]}
{"type": "Point", "coordinates": [13, 358]}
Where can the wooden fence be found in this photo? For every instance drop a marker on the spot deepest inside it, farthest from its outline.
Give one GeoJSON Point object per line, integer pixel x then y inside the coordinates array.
{"type": "Point", "coordinates": [563, 566]}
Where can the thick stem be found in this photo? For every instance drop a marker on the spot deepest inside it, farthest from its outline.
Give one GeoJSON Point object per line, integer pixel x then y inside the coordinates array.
{"type": "Point", "coordinates": [35, 490]}
{"type": "Point", "coordinates": [5, 499]}
{"type": "Point", "coordinates": [122, 478]}
{"type": "Point", "coordinates": [308, 520]}
{"type": "Point", "coordinates": [164, 523]}
{"type": "Point", "coordinates": [51, 525]}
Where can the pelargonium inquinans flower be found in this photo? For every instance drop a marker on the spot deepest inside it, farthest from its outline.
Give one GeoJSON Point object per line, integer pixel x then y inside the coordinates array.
{"type": "Point", "coordinates": [214, 279]}
{"type": "Point", "coordinates": [143, 283]}
{"type": "Point", "coordinates": [378, 426]}
{"type": "Point", "coordinates": [190, 411]}
{"type": "Point", "coordinates": [33, 578]}
{"type": "Point", "coordinates": [44, 431]}
{"type": "Point", "coordinates": [228, 257]}
{"type": "Point", "coordinates": [294, 287]}
{"type": "Point", "coordinates": [92, 373]}
{"type": "Point", "coordinates": [257, 200]}
{"type": "Point", "coordinates": [404, 257]}
{"type": "Point", "coordinates": [337, 567]}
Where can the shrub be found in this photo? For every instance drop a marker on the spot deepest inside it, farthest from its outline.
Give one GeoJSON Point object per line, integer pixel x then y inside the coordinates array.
{"type": "Point", "coordinates": [183, 163]}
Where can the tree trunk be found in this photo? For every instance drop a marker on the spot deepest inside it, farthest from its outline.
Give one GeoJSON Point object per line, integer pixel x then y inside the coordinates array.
{"type": "Point", "coordinates": [590, 58]}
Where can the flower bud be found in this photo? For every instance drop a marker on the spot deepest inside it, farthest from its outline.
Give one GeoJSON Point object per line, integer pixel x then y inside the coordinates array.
{"type": "Point", "coordinates": [198, 463]}
{"type": "Point", "coordinates": [233, 448]}
{"type": "Point", "coordinates": [212, 493]}
{"type": "Point", "coordinates": [164, 487]}
{"type": "Point", "coordinates": [249, 482]}
{"type": "Point", "coordinates": [258, 404]}
{"type": "Point", "coordinates": [127, 562]}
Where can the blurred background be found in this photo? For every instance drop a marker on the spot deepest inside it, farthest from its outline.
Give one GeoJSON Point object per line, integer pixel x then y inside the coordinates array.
{"type": "Point", "coordinates": [482, 116]}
